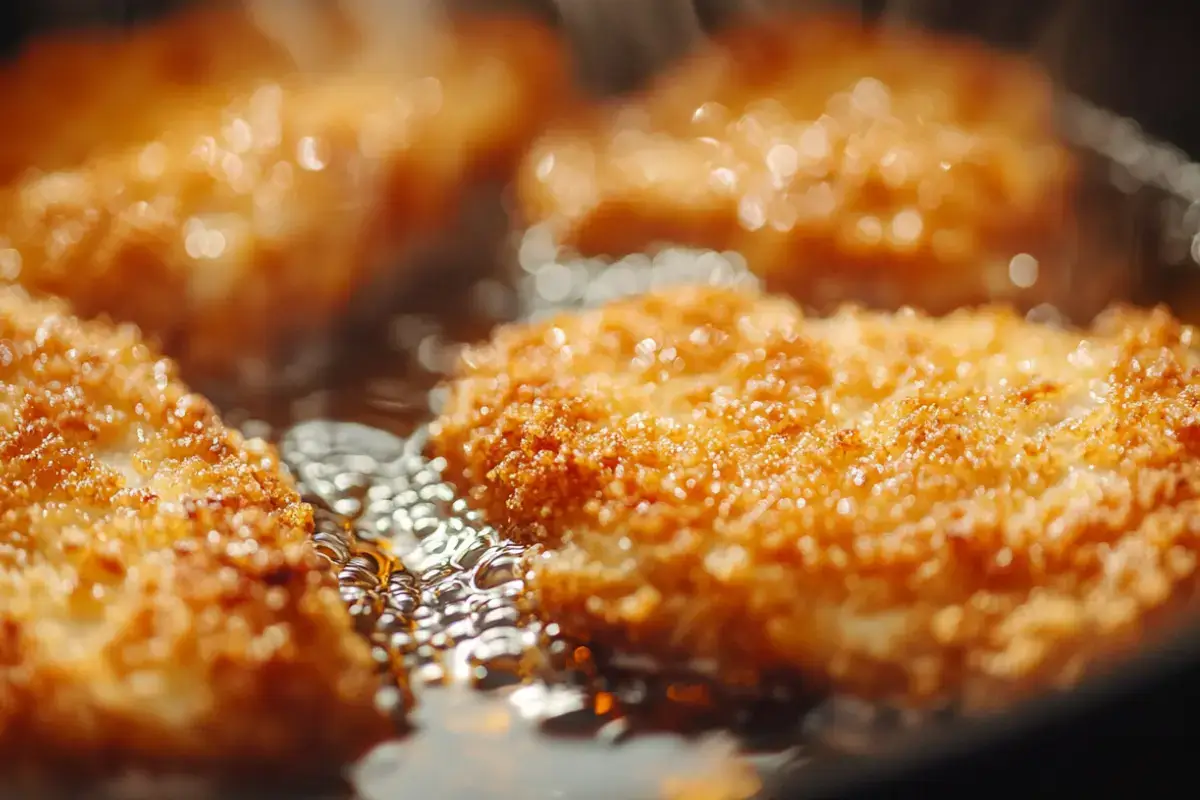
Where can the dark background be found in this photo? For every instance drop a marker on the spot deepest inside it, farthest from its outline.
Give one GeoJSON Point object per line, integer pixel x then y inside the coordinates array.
{"type": "Point", "coordinates": [1136, 57]}
{"type": "Point", "coordinates": [1140, 59]}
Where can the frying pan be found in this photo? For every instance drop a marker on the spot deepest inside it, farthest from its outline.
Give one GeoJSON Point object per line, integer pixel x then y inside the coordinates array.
{"type": "Point", "coordinates": [1142, 200]}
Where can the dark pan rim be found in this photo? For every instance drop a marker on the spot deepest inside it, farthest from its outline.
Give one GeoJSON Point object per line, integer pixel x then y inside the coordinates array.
{"type": "Point", "coordinates": [1084, 734]}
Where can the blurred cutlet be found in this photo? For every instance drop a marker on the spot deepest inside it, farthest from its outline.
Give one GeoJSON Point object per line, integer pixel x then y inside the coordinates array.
{"type": "Point", "coordinates": [82, 91]}
{"type": "Point", "coordinates": [904, 507]}
{"type": "Point", "coordinates": [204, 181]}
{"type": "Point", "coordinates": [160, 604]}
{"type": "Point", "coordinates": [845, 162]}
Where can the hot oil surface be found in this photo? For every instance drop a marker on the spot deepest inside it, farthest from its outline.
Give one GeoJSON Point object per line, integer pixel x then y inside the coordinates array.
{"type": "Point", "coordinates": [440, 595]}
{"type": "Point", "coordinates": [520, 710]}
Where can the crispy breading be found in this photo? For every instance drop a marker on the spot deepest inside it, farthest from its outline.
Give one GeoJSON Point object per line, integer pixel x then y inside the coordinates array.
{"type": "Point", "coordinates": [160, 603]}
{"type": "Point", "coordinates": [904, 507]}
{"type": "Point", "coordinates": [845, 163]}
{"type": "Point", "coordinates": [195, 180]}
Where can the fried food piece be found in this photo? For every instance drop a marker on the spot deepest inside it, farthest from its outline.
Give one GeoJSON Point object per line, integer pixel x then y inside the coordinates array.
{"type": "Point", "coordinates": [904, 507]}
{"type": "Point", "coordinates": [198, 182]}
{"type": "Point", "coordinates": [880, 166]}
{"type": "Point", "coordinates": [160, 603]}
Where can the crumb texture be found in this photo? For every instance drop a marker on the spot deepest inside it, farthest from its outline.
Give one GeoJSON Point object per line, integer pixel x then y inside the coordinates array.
{"type": "Point", "coordinates": [904, 507]}
{"type": "Point", "coordinates": [880, 165]}
{"type": "Point", "coordinates": [160, 604]}
{"type": "Point", "coordinates": [229, 194]}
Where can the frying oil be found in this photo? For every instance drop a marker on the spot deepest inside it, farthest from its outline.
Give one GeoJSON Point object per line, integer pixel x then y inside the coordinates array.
{"type": "Point", "coordinates": [473, 677]}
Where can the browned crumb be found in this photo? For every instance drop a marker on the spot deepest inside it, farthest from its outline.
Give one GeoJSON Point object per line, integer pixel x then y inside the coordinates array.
{"type": "Point", "coordinates": [160, 604]}
{"type": "Point", "coordinates": [195, 179]}
{"type": "Point", "coordinates": [904, 507]}
{"type": "Point", "coordinates": [843, 162]}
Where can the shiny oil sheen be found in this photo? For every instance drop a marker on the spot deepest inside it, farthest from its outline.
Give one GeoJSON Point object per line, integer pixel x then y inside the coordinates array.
{"type": "Point", "coordinates": [442, 597]}
{"type": "Point", "coordinates": [511, 706]}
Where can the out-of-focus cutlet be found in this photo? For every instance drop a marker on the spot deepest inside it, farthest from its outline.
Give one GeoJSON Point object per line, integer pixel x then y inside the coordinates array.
{"type": "Point", "coordinates": [844, 162]}
{"type": "Point", "coordinates": [201, 179]}
{"type": "Point", "coordinates": [160, 604]}
{"type": "Point", "coordinates": [905, 507]}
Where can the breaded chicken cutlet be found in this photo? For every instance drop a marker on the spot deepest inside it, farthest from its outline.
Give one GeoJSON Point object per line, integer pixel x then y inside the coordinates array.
{"type": "Point", "coordinates": [908, 508]}
{"type": "Point", "coordinates": [879, 166]}
{"type": "Point", "coordinates": [197, 179]}
{"type": "Point", "coordinates": [160, 603]}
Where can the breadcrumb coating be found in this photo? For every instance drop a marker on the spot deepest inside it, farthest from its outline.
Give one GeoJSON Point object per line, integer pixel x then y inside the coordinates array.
{"type": "Point", "coordinates": [160, 604]}
{"type": "Point", "coordinates": [872, 165]}
{"type": "Point", "coordinates": [196, 179]}
{"type": "Point", "coordinates": [906, 508]}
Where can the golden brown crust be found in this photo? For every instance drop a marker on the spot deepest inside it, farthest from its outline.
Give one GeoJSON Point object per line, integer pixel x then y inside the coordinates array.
{"type": "Point", "coordinates": [900, 506]}
{"type": "Point", "coordinates": [205, 188]}
{"type": "Point", "coordinates": [160, 604]}
{"type": "Point", "coordinates": [883, 165]}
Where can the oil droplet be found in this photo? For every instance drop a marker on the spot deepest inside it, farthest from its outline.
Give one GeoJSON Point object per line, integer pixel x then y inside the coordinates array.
{"type": "Point", "coordinates": [1023, 270]}
{"type": "Point", "coordinates": [309, 154]}
{"type": "Point", "coordinates": [907, 226]}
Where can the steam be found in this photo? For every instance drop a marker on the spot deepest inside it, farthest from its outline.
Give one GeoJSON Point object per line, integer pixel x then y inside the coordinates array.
{"type": "Point", "coordinates": [394, 27]}
{"type": "Point", "coordinates": [295, 26]}
{"type": "Point", "coordinates": [384, 29]}
{"type": "Point", "coordinates": [618, 43]}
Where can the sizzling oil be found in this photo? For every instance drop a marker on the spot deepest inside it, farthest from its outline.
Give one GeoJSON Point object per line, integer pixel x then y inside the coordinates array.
{"type": "Point", "coordinates": [497, 704]}
{"type": "Point", "coordinates": [442, 596]}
